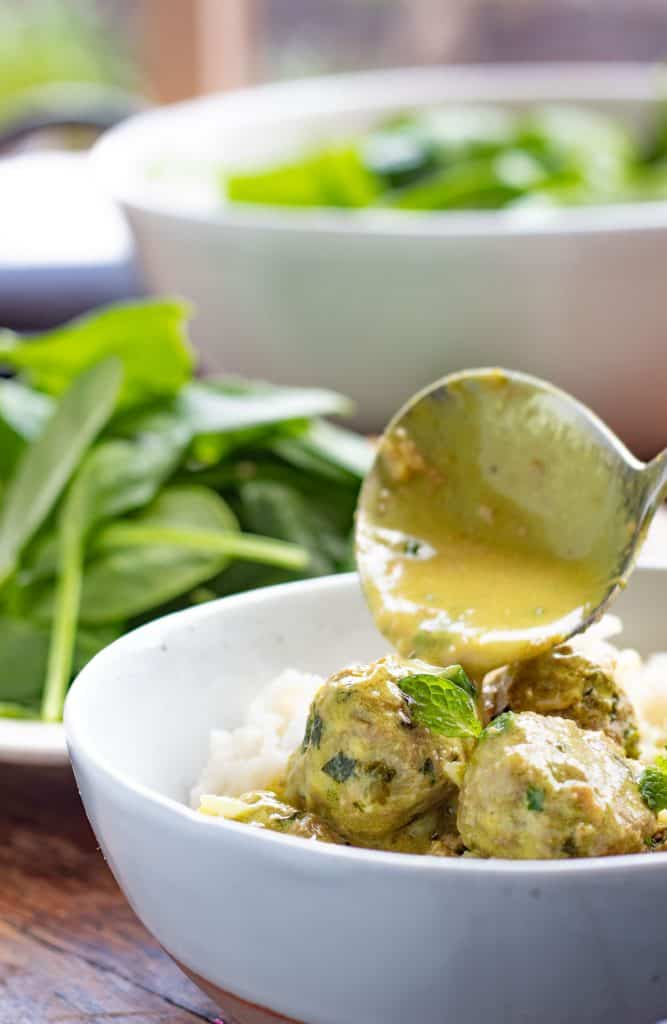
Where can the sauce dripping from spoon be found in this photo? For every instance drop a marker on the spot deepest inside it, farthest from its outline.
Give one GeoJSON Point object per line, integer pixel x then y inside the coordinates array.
{"type": "Point", "coordinates": [499, 518]}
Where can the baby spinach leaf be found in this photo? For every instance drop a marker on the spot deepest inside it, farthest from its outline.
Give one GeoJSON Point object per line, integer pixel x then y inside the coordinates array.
{"type": "Point", "coordinates": [126, 578]}
{"type": "Point", "coordinates": [342, 448]}
{"type": "Point", "coordinates": [23, 651]}
{"type": "Point", "coordinates": [24, 646]}
{"type": "Point", "coordinates": [114, 477]}
{"type": "Point", "coordinates": [229, 543]}
{"type": "Point", "coordinates": [209, 407]}
{"type": "Point", "coordinates": [277, 510]}
{"type": "Point", "coordinates": [444, 703]}
{"type": "Point", "coordinates": [308, 461]}
{"type": "Point", "coordinates": [471, 184]}
{"type": "Point", "coordinates": [653, 785]}
{"type": "Point", "coordinates": [23, 414]}
{"type": "Point", "coordinates": [12, 710]}
{"type": "Point", "coordinates": [47, 464]}
{"type": "Point", "coordinates": [148, 337]}
{"type": "Point", "coordinates": [334, 176]}
{"type": "Point", "coordinates": [90, 640]}
{"type": "Point", "coordinates": [123, 474]}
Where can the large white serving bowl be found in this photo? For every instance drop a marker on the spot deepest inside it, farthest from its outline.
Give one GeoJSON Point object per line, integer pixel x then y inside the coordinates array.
{"type": "Point", "coordinates": [378, 303]}
{"type": "Point", "coordinates": [332, 935]}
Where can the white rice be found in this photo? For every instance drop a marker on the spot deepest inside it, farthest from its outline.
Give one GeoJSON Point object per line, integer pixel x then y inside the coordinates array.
{"type": "Point", "coordinates": [253, 755]}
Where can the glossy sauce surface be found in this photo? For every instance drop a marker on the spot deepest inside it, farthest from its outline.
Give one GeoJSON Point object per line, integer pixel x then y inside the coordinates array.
{"type": "Point", "coordinates": [468, 543]}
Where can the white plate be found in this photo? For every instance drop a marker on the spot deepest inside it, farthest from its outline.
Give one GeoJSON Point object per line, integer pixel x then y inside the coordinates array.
{"type": "Point", "coordinates": [37, 743]}
{"type": "Point", "coordinates": [63, 246]}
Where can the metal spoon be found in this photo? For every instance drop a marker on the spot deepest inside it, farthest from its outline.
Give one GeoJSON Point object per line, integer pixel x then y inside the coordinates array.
{"type": "Point", "coordinates": [500, 517]}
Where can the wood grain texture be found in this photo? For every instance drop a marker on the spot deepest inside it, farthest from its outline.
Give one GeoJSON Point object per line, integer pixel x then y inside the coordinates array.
{"type": "Point", "coordinates": [71, 950]}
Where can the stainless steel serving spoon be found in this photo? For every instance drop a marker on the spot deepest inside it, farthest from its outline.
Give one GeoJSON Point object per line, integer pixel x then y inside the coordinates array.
{"type": "Point", "coordinates": [500, 517]}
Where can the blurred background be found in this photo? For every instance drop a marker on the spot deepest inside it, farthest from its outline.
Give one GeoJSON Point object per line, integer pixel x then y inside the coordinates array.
{"type": "Point", "coordinates": [90, 62]}
{"type": "Point", "coordinates": [71, 68]}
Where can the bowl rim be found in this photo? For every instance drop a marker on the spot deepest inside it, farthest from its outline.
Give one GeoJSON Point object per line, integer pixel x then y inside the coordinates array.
{"type": "Point", "coordinates": [619, 82]}
{"type": "Point", "coordinates": [163, 806]}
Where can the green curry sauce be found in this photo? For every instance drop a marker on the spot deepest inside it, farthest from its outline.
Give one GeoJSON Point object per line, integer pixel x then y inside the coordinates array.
{"type": "Point", "coordinates": [465, 540]}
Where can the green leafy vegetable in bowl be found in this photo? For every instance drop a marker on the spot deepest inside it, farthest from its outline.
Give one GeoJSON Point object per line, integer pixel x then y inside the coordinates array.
{"type": "Point", "coordinates": [653, 785]}
{"type": "Point", "coordinates": [127, 489]}
{"type": "Point", "coordinates": [469, 158]}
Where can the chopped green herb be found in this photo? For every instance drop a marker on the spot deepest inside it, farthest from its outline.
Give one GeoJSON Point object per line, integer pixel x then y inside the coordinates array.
{"type": "Point", "coordinates": [380, 770]}
{"type": "Point", "coordinates": [427, 768]}
{"type": "Point", "coordinates": [569, 847]}
{"type": "Point", "coordinates": [340, 767]}
{"type": "Point", "coordinates": [534, 798]}
{"type": "Point", "coordinates": [316, 731]}
{"type": "Point", "coordinates": [653, 785]}
{"type": "Point", "coordinates": [313, 734]}
{"type": "Point", "coordinates": [500, 724]}
{"type": "Point", "coordinates": [412, 547]}
{"type": "Point", "coordinates": [443, 703]}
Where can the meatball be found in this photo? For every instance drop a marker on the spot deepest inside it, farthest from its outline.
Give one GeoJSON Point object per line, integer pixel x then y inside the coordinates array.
{"type": "Point", "coordinates": [365, 765]}
{"type": "Point", "coordinates": [566, 683]}
{"type": "Point", "coordinates": [539, 787]}
{"type": "Point", "coordinates": [434, 833]}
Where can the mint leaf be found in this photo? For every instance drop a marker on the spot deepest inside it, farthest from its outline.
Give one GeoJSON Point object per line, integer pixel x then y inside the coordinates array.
{"type": "Point", "coordinates": [653, 785]}
{"type": "Point", "coordinates": [444, 703]}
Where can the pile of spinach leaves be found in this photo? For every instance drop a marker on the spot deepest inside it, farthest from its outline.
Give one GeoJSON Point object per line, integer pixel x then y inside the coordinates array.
{"type": "Point", "coordinates": [129, 488]}
{"type": "Point", "coordinates": [471, 158]}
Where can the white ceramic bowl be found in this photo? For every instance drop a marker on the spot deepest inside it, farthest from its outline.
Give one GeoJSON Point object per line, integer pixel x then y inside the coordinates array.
{"type": "Point", "coordinates": [378, 303]}
{"type": "Point", "coordinates": [333, 935]}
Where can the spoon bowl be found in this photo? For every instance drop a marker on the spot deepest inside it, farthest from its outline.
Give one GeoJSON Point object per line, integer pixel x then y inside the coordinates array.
{"type": "Point", "coordinates": [500, 517]}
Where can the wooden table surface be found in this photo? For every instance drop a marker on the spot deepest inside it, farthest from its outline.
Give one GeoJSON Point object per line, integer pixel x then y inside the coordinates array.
{"type": "Point", "coordinates": [71, 950]}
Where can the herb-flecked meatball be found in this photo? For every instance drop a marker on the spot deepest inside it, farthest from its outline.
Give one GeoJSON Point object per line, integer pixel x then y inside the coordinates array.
{"type": "Point", "coordinates": [365, 765]}
{"type": "Point", "coordinates": [541, 787]}
{"type": "Point", "coordinates": [566, 683]}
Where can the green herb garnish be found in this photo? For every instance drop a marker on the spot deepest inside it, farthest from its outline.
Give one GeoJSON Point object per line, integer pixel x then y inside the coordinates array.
{"type": "Point", "coordinates": [499, 725]}
{"type": "Point", "coordinates": [653, 785]}
{"type": "Point", "coordinates": [444, 703]}
{"type": "Point", "coordinates": [534, 798]}
{"type": "Point", "coordinates": [340, 767]}
{"type": "Point", "coordinates": [313, 733]}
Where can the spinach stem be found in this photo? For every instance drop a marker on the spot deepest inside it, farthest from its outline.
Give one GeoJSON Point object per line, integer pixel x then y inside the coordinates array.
{"type": "Point", "coordinates": [244, 546]}
{"type": "Point", "coordinates": [63, 633]}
